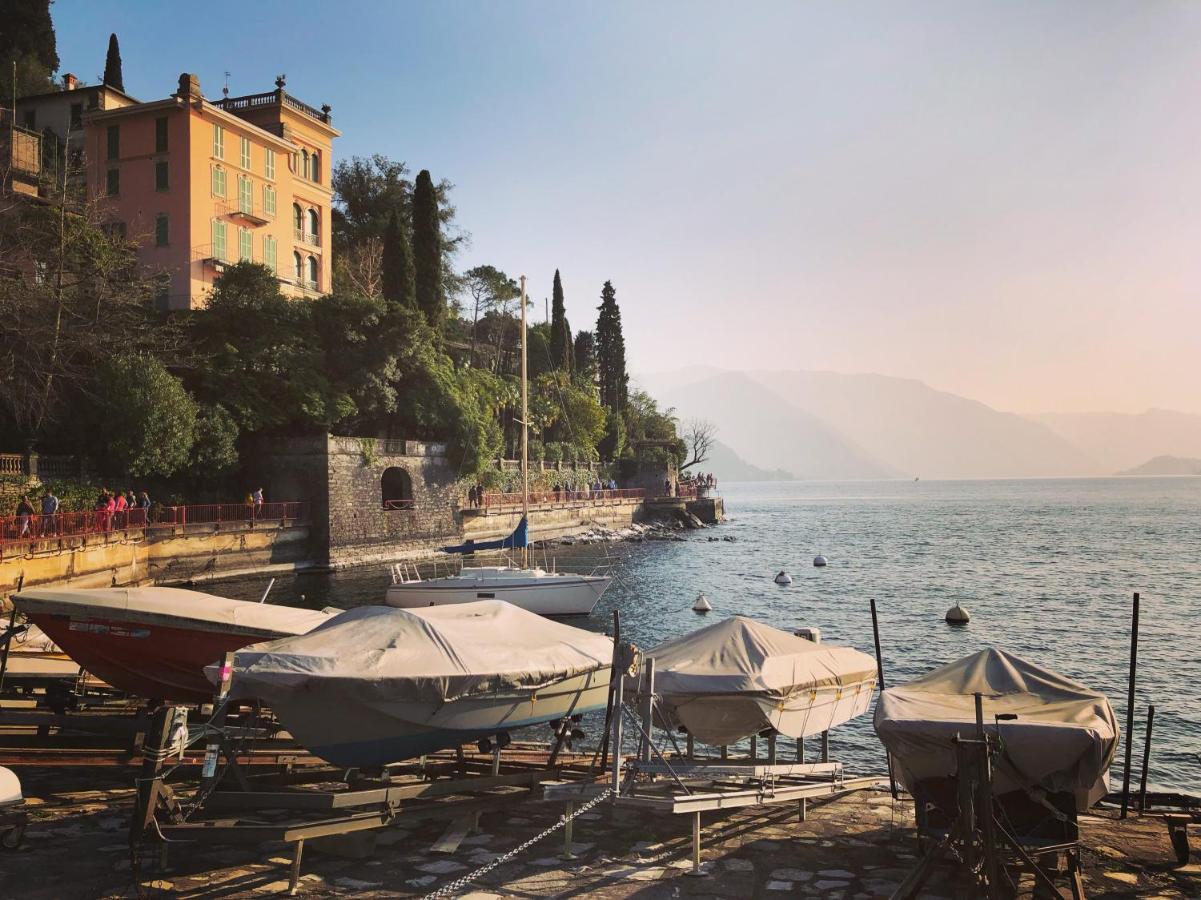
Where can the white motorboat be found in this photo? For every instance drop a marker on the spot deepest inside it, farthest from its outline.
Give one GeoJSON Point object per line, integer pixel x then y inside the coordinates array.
{"type": "Point", "coordinates": [738, 677]}
{"type": "Point", "coordinates": [377, 685]}
{"type": "Point", "coordinates": [1058, 736]}
{"type": "Point", "coordinates": [547, 593]}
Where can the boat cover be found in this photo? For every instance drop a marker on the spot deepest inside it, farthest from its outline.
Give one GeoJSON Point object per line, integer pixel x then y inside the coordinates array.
{"type": "Point", "coordinates": [518, 539]}
{"type": "Point", "coordinates": [436, 654]}
{"type": "Point", "coordinates": [740, 656]}
{"type": "Point", "coordinates": [168, 606]}
{"type": "Point", "coordinates": [1063, 739]}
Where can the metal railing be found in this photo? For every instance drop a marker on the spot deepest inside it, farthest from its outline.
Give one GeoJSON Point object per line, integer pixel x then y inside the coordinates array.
{"type": "Point", "coordinates": [561, 498]}
{"type": "Point", "coordinates": [28, 531]}
{"type": "Point", "coordinates": [306, 237]}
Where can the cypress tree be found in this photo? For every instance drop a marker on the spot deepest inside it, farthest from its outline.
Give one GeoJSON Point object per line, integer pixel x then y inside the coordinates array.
{"type": "Point", "coordinates": [561, 351]}
{"type": "Point", "coordinates": [26, 38]}
{"type": "Point", "coordinates": [611, 353]}
{"type": "Point", "coordinates": [398, 281]}
{"type": "Point", "coordinates": [112, 65]}
{"type": "Point", "coordinates": [585, 358]}
{"type": "Point", "coordinates": [427, 250]}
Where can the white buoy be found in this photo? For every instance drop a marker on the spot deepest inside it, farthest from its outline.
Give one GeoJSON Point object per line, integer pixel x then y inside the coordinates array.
{"type": "Point", "coordinates": [783, 578]}
{"type": "Point", "coordinates": [957, 615]}
{"type": "Point", "coordinates": [819, 560]}
{"type": "Point", "coordinates": [702, 604]}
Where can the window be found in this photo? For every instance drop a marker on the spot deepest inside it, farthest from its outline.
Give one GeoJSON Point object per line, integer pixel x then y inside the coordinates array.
{"type": "Point", "coordinates": [245, 194]}
{"type": "Point", "coordinates": [218, 142]}
{"type": "Point", "coordinates": [245, 157]}
{"type": "Point", "coordinates": [218, 181]}
{"type": "Point", "coordinates": [314, 222]}
{"type": "Point", "coordinates": [314, 271]}
{"type": "Point", "coordinates": [162, 232]}
{"type": "Point", "coordinates": [218, 239]}
{"type": "Point", "coordinates": [304, 163]}
{"type": "Point", "coordinates": [316, 166]}
{"type": "Point", "coordinates": [113, 185]}
{"type": "Point", "coordinates": [76, 115]}
{"type": "Point", "coordinates": [160, 135]}
{"type": "Point", "coordinates": [298, 267]}
{"type": "Point", "coordinates": [31, 120]}
{"type": "Point", "coordinates": [160, 176]}
{"type": "Point", "coordinates": [297, 219]}
{"type": "Point", "coordinates": [114, 141]}
{"type": "Point", "coordinates": [268, 200]}
{"type": "Point", "coordinates": [162, 290]}
{"type": "Point", "coordinates": [396, 488]}
{"type": "Point", "coordinates": [270, 253]}
{"type": "Point", "coordinates": [269, 163]}
{"type": "Point", "coordinates": [245, 245]}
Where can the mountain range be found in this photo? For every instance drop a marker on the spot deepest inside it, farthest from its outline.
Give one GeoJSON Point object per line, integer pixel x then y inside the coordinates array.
{"type": "Point", "coordinates": [828, 425]}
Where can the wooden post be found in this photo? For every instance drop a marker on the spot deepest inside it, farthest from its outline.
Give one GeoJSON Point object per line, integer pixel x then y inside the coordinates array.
{"type": "Point", "coordinates": [826, 746]}
{"type": "Point", "coordinates": [208, 772]}
{"type": "Point", "coordinates": [696, 869]}
{"type": "Point", "coordinates": [616, 674]}
{"type": "Point", "coordinates": [647, 704]}
{"type": "Point", "coordinates": [892, 781]}
{"type": "Point", "coordinates": [149, 782]}
{"type": "Point", "coordinates": [1142, 786]}
{"type": "Point", "coordinates": [615, 708]}
{"type": "Point", "coordinates": [567, 855]}
{"type": "Point", "coordinates": [12, 624]}
{"type": "Point", "coordinates": [1130, 708]}
{"type": "Point", "coordinates": [771, 749]}
{"type": "Point", "coordinates": [294, 874]}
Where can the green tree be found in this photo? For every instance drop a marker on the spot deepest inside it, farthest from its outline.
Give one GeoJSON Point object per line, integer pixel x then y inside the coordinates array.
{"type": "Point", "coordinates": [490, 290]}
{"type": "Point", "coordinates": [611, 353]}
{"type": "Point", "coordinates": [560, 332]}
{"type": "Point", "coordinates": [399, 286]}
{"type": "Point", "coordinates": [367, 191]}
{"type": "Point", "coordinates": [146, 417]}
{"type": "Point", "coordinates": [112, 65]}
{"type": "Point", "coordinates": [613, 444]}
{"type": "Point", "coordinates": [27, 39]}
{"type": "Point", "coordinates": [216, 446]}
{"type": "Point", "coordinates": [585, 358]}
{"type": "Point", "coordinates": [427, 250]}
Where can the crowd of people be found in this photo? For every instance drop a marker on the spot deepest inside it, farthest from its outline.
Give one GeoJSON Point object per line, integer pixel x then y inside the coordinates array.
{"type": "Point", "coordinates": [690, 483]}
{"type": "Point", "coordinates": [597, 489]}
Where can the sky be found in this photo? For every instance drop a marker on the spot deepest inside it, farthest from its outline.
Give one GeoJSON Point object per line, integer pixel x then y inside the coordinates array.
{"type": "Point", "coordinates": [1000, 199]}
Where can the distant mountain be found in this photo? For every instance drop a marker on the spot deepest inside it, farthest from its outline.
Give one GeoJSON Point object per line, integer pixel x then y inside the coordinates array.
{"type": "Point", "coordinates": [1119, 441]}
{"type": "Point", "coordinates": [827, 425]}
{"type": "Point", "coordinates": [729, 466]}
{"type": "Point", "coordinates": [1167, 465]}
{"type": "Point", "coordinates": [764, 428]}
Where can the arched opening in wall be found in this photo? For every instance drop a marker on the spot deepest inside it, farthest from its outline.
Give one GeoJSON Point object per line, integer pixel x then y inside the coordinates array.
{"type": "Point", "coordinates": [396, 488]}
{"type": "Point", "coordinates": [314, 224]}
{"type": "Point", "coordinates": [314, 272]}
{"type": "Point", "coordinates": [298, 266]}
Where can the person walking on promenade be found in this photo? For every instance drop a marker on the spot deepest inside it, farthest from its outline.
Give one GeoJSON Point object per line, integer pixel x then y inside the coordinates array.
{"type": "Point", "coordinates": [258, 501]}
{"type": "Point", "coordinates": [24, 515]}
{"type": "Point", "coordinates": [667, 487]}
{"type": "Point", "coordinates": [110, 509]}
{"type": "Point", "coordinates": [100, 506]}
{"type": "Point", "coordinates": [471, 496]}
{"type": "Point", "coordinates": [120, 505]}
{"type": "Point", "coordinates": [479, 494]}
{"type": "Point", "coordinates": [50, 506]}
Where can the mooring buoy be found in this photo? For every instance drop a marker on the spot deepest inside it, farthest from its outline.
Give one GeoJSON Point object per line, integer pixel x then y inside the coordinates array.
{"type": "Point", "coordinates": [957, 615]}
{"type": "Point", "coordinates": [819, 561]}
{"type": "Point", "coordinates": [783, 578]}
{"type": "Point", "coordinates": [702, 604]}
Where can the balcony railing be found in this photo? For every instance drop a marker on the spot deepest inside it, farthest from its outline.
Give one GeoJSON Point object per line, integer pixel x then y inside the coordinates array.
{"type": "Point", "coordinates": [251, 101]}
{"type": "Point", "coordinates": [254, 213]}
{"type": "Point", "coordinates": [306, 237]}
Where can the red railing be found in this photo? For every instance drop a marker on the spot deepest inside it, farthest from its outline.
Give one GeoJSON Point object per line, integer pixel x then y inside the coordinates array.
{"type": "Point", "coordinates": [553, 498]}
{"type": "Point", "coordinates": [60, 526]}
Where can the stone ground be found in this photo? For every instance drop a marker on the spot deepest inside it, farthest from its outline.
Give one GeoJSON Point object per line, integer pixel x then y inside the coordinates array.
{"type": "Point", "coordinates": [853, 848]}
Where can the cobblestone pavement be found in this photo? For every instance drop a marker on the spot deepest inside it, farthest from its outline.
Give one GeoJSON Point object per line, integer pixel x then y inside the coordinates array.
{"type": "Point", "coordinates": [852, 848]}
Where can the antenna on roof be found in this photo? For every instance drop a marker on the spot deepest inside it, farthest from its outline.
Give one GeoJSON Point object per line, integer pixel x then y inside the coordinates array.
{"type": "Point", "coordinates": [225, 90]}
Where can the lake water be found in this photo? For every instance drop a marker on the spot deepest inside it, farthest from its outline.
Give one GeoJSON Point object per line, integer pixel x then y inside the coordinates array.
{"type": "Point", "coordinates": [1046, 568]}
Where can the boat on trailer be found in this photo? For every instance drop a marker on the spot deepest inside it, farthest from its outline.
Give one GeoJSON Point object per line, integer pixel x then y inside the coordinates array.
{"type": "Point", "coordinates": [377, 685]}
{"type": "Point", "coordinates": [739, 677]}
{"type": "Point", "coordinates": [155, 641]}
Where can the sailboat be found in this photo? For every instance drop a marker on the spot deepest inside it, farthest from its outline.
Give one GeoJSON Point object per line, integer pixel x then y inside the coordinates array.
{"type": "Point", "coordinates": [532, 588]}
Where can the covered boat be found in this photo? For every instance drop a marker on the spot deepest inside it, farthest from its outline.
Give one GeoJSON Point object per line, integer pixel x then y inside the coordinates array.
{"type": "Point", "coordinates": [156, 641]}
{"type": "Point", "coordinates": [376, 685]}
{"type": "Point", "coordinates": [738, 677]}
{"type": "Point", "coordinates": [1061, 742]}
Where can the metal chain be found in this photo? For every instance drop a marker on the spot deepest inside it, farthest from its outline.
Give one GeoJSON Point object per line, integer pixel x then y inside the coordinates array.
{"type": "Point", "coordinates": [460, 883]}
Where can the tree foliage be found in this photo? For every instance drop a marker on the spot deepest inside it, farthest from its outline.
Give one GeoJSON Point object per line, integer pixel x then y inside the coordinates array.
{"type": "Point", "coordinates": [584, 352]}
{"type": "Point", "coordinates": [561, 350]}
{"type": "Point", "coordinates": [144, 416]}
{"type": "Point", "coordinates": [399, 285]}
{"type": "Point", "coordinates": [27, 39]}
{"type": "Point", "coordinates": [427, 250]}
{"type": "Point", "coordinates": [112, 65]}
{"type": "Point", "coordinates": [613, 379]}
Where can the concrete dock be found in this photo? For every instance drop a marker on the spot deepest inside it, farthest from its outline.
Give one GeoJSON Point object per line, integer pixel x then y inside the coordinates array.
{"type": "Point", "coordinates": [855, 847]}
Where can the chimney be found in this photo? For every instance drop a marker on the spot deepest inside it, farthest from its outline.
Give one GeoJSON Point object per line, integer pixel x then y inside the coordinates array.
{"type": "Point", "coordinates": [189, 87]}
{"type": "Point", "coordinates": [69, 81]}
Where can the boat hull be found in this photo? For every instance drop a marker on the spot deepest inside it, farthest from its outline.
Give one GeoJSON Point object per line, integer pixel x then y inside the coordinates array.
{"type": "Point", "coordinates": [321, 716]}
{"type": "Point", "coordinates": [557, 595]}
{"type": "Point", "coordinates": [153, 661]}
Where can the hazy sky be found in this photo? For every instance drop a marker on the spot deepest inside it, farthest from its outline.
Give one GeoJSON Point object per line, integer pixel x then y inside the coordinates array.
{"type": "Point", "coordinates": [1002, 199]}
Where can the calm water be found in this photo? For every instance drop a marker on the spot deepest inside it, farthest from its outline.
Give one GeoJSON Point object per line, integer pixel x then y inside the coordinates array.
{"type": "Point", "coordinates": [1046, 568]}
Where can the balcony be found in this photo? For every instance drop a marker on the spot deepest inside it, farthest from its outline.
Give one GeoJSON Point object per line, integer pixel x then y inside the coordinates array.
{"type": "Point", "coordinates": [306, 237]}
{"type": "Point", "coordinates": [250, 213]}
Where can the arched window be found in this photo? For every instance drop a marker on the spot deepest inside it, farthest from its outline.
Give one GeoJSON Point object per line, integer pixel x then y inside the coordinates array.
{"type": "Point", "coordinates": [314, 271]}
{"type": "Point", "coordinates": [304, 163]}
{"type": "Point", "coordinates": [297, 217]}
{"type": "Point", "coordinates": [298, 266]}
{"type": "Point", "coordinates": [396, 489]}
{"type": "Point", "coordinates": [316, 166]}
{"type": "Point", "coordinates": [314, 222]}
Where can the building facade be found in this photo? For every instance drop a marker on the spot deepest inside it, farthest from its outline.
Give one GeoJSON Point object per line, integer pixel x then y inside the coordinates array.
{"type": "Point", "coordinates": [200, 185]}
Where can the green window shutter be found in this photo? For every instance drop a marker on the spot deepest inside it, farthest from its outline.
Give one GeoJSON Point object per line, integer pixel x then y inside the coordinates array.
{"type": "Point", "coordinates": [161, 181]}
{"type": "Point", "coordinates": [160, 135]}
{"type": "Point", "coordinates": [113, 184]}
{"type": "Point", "coordinates": [269, 164]}
{"type": "Point", "coordinates": [245, 245]}
{"type": "Point", "coordinates": [114, 141]}
{"type": "Point", "coordinates": [245, 194]}
{"type": "Point", "coordinates": [245, 156]}
{"type": "Point", "coordinates": [218, 142]}
{"type": "Point", "coordinates": [219, 239]}
{"type": "Point", "coordinates": [161, 230]}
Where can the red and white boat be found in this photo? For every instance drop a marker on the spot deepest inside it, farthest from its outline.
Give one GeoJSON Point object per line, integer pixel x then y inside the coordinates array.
{"type": "Point", "coordinates": [156, 641]}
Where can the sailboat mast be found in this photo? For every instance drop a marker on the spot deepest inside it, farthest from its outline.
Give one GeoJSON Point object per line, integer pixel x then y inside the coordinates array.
{"type": "Point", "coordinates": [525, 428]}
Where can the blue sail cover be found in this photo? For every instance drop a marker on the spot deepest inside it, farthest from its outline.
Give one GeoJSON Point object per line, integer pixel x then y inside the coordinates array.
{"type": "Point", "coordinates": [519, 538]}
